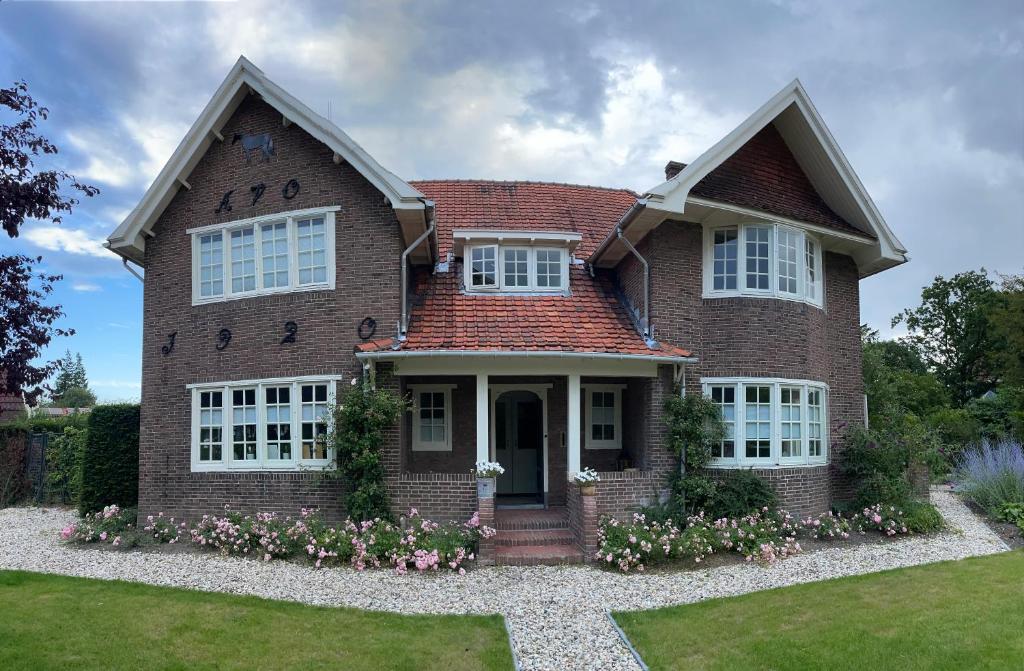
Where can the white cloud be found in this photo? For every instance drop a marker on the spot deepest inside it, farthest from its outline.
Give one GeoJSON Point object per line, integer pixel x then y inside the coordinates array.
{"type": "Point", "coordinates": [86, 286]}
{"type": "Point", "coordinates": [70, 240]}
{"type": "Point", "coordinates": [106, 162]}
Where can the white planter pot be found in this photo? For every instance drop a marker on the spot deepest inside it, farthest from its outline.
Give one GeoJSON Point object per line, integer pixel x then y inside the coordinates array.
{"type": "Point", "coordinates": [485, 488]}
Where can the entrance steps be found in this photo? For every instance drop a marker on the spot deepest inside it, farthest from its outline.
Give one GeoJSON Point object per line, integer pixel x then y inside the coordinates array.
{"type": "Point", "coordinates": [528, 537]}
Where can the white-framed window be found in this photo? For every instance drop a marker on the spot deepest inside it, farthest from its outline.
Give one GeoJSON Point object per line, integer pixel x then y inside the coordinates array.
{"type": "Point", "coordinates": [483, 267]}
{"type": "Point", "coordinates": [291, 251]}
{"type": "Point", "coordinates": [603, 416]}
{"type": "Point", "coordinates": [763, 260]}
{"type": "Point", "coordinates": [432, 417]}
{"type": "Point", "coordinates": [724, 396]}
{"type": "Point", "coordinates": [770, 422]}
{"type": "Point", "coordinates": [278, 424]}
{"type": "Point", "coordinates": [494, 267]}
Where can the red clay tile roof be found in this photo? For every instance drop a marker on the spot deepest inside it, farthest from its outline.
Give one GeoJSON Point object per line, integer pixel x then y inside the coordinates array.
{"type": "Point", "coordinates": [527, 206]}
{"type": "Point", "coordinates": [591, 320]}
{"type": "Point", "coordinates": [764, 175]}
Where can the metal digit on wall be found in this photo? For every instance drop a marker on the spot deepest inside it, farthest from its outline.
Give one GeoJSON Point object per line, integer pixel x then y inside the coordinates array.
{"type": "Point", "coordinates": [223, 339]}
{"type": "Point", "coordinates": [169, 347]}
{"type": "Point", "coordinates": [291, 329]}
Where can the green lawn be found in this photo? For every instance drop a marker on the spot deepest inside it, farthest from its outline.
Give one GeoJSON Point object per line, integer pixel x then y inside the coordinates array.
{"type": "Point", "coordinates": [953, 615]}
{"type": "Point", "coordinates": [56, 622]}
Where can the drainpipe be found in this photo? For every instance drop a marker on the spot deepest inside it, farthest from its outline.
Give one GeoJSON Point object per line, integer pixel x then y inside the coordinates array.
{"type": "Point", "coordinates": [403, 325]}
{"type": "Point", "coordinates": [132, 271]}
{"type": "Point", "coordinates": [648, 332]}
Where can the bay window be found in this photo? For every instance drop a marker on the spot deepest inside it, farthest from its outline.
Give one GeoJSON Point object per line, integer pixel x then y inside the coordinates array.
{"type": "Point", "coordinates": [270, 424]}
{"type": "Point", "coordinates": [763, 260]}
{"type": "Point", "coordinates": [291, 251]}
{"type": "Point", "coordinates": [769, 422]}
{"type": "Point", "coordinates": [516, 269]}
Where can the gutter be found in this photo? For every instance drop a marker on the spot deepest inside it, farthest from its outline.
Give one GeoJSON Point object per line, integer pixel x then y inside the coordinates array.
{"type": "Point", "coordinates": [624, 221]}
{"type": "Point", "coordinates": [124, 260]}
{"type": "Point", "coordinates": [645, 325]}
{"type": "Point", "coordinates": [403, 325]}
{"type": "Point", "coordinates": [496, 354]}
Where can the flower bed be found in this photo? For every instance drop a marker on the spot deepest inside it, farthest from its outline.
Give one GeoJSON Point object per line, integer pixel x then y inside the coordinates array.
{"type": "Point", "coordinates": [766, 536]}
{"type": "Point", "coordinates": [416, 543]}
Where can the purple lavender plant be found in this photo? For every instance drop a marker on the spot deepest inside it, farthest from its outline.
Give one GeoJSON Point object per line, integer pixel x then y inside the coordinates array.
{"type": "Point", "coordinates": [992, 474]}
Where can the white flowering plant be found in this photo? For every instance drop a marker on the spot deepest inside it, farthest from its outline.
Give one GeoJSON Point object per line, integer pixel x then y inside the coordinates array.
{"type": "Point", "coordinates": [488, 469]}
{"type": "Point", "coordinates": [588, 476]}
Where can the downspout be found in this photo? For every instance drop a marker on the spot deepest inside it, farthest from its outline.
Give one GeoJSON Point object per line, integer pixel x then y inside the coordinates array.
{"type": "Point", "coordinates": [132, 271]}
{"type": "Point", "coordinates": [403, 325]}
{"type": "Point", "coordinates": [648, 332]}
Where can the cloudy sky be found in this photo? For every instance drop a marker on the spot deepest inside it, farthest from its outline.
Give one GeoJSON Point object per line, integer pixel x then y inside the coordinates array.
{"type": "Point", "coordinates": [926, 99]}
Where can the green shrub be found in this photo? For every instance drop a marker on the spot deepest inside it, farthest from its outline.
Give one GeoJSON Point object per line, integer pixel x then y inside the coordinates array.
{"type": "Point", "coordinates": [361, 417]}
{"type": "Point", "coordinates": [694, 425]}
{"type": "Point", "coordinates": [921, 517]}
{"type": "Point", "coordinates": [13, 479]}
{"type": "Point", "coordinates": [741, 493]}
{"type": "Point", "coordinates": [1013, 513]}
{"type": "Point", "coordinates": [110, 461]}
{"type": "Point", "coordinates": [878, 461]}
{"type": "Point", "coordinates": [64, 464]}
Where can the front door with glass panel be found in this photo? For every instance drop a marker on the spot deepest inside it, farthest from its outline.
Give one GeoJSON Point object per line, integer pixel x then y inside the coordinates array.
{"type": "Point", "coordinates": [518, 441]}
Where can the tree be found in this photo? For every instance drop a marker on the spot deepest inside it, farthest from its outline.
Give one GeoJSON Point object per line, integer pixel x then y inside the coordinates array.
{"type": "Point", "coordinates": [1007, 319]}
{"type": "Point", "coordinates": [24, 192]}
{"type": "Point", "coordinates": [952, 331]}
{"type": "Point", "coordinates": [26, 326]}
{"type": "Point", "coordinates": [26, 321]}
{"type": "Point", "coordinates": [77, 397]}
{"type": "Point", "coordinates": [896, 380]}
{"type": "Point", "coordinates": [70, 375]}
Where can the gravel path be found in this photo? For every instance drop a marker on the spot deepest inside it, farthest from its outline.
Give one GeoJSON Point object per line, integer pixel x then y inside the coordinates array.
{"type": "Point", "coordinates": [555, 614]}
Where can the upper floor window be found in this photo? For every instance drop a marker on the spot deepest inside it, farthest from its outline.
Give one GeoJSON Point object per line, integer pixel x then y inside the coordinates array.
{"type": "Point", "coordinates": [292, 251]}
{"type": "Point", "coordinates": [507, 268]}
{"type": "Point", "coordinates": [763, 260]}
{"type": "Point", "coordinates": [272, 424]}
{"type": "Point", "coordinates": [769, 422]}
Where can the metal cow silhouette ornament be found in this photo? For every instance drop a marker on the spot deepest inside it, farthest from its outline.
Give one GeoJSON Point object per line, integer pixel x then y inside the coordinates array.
{"type": "Point", "coordinates": [251, 143]}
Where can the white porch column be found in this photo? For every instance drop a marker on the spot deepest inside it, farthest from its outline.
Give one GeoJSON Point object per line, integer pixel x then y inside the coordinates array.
{"type": "Point", "coordinates": [572, 438]}
{"type": "Point", "coordinates": [483, 424]}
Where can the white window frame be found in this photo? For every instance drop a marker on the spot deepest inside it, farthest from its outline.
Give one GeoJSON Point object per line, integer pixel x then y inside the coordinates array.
{"type": "Point", "coordinates": [565, 260]}
{"type": "Point", "coordinates": [589, 443]}
{"type": "Point", "coordinates": [256, 224]}
{"type": "Point", "coordinates": [776, 460]}
{"type": "Point", "coordinates": [419, 445]}
{"type": "Point", "coordinates": [262, 462]}
{"type": "Point", "coordinates": [812, 294]}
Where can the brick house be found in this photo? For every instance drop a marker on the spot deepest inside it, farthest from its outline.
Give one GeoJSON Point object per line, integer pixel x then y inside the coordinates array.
{"type": "Point", "coordinates": [539, 325]}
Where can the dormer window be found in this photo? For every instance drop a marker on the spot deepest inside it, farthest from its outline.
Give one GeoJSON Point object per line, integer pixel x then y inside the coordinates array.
{"type": "Point", "coordinates": [516, 261]}
{"type": "Point", "coordinates": [508, 268]}
{"type": "Point", "coordinates": [763, 260]}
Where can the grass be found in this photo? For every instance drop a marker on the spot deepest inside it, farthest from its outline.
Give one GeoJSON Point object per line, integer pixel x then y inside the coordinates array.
{"type": "Point", "coordinates": [952, 615]}
{"type": "Point", "coordinates": [57, 622]}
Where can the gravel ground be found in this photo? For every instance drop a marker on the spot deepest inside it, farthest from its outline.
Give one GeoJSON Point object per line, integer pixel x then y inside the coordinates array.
{"type": "Point", "coordinates": [555, 614]}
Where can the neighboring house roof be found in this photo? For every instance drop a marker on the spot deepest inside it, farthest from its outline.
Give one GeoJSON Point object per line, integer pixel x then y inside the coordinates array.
{"type": "Point", "coordinates": [60, 412]}
{"type": "Point", "coordinates": [590, 320]}
{"type": "Point", "coordinates": [815, 151]}
{"type": "Point", "coordinates": [129, 238]}
{"type": "Point", "coordinates": [764, 175]}
{"type": "Point", "coordinates": [529, 206]}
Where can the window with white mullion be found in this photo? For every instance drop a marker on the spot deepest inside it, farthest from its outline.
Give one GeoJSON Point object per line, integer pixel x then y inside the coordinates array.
{"type": "Point", "coordinates": [277, 422]}
{"type": "Point", "coordinates": [787, 254]}
{"type": "Point", "coordinates": [757, 255]}
{"type": "Point", "coordinates": [515, 268]}
{"type": "Point", "coordinates": [314, 410]}
{"type": "Point", "coordinates": [791, 425]}
{"type": "Point", "coordinates": [211, 264]}
{"type": "Point", "coordinates": [244, 426]}
{"type": "Point", "coordinates": [812, 270]}
{"type": "Point", "coordinates": [725, 256]}
{"type": "Point", "coordinates": [274, 255]}
{"type": "Point", "coordinates": [312, 250]}
{"type": "Point", "coordinates": [757, 424]}
{"type": "Point", "coordinates": [724, 396]}
{"type": "Point", "coordinates": [549, 268]}
{"type": "Point", "coordinates": [816, 437]}
{"type": "Point", "coordinates": [211, 425]}
{"type": "Point", "coordinates": [243, 260]}
{"type": "Point", "coordinates": [483, 267]}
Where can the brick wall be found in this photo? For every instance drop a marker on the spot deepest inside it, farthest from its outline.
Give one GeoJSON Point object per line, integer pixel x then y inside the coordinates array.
{"type": "Point", "coordinates": [754, 337]}
{"type": "Point", "coordinates": [368, 249]}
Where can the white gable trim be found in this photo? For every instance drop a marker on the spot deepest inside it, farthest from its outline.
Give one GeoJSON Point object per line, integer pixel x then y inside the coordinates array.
{"type": "Point", "coordinates": [128, 239]}
{"type": "Point", "coordinates": [845, 193]}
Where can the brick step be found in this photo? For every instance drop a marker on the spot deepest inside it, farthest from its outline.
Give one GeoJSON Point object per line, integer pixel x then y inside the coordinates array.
{"type": "Point", "coordinates": [523, 520]}
{"type": "Point", "coordinates": [532, 555]}
{"type": "Point", "coordinates": [535, 537]}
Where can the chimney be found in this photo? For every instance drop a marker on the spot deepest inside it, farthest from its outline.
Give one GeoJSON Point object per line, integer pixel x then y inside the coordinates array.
{"type": "Point", "coordinates": [673, 168]}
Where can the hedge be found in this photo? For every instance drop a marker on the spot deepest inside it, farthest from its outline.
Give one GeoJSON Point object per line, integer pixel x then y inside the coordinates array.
{"type": "Point", "coordinates": [110, 461]}
{"type": "Point", "coordinates": [13, 481]}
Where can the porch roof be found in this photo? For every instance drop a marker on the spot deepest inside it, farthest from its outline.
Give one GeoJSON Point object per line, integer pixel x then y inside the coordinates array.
{"type": "Point", "coordinates": [589, 321]}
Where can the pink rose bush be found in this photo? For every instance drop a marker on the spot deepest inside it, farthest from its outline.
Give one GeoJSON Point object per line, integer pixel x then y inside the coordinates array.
{"type": "Point", "coordinates": [164, 530]}
{"type": "Point", "coordinates": [765, 536]}
{"type": "Point", "coordinates": [113, 525]}
{"type": "Point", "coordinates": [414, 544]}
